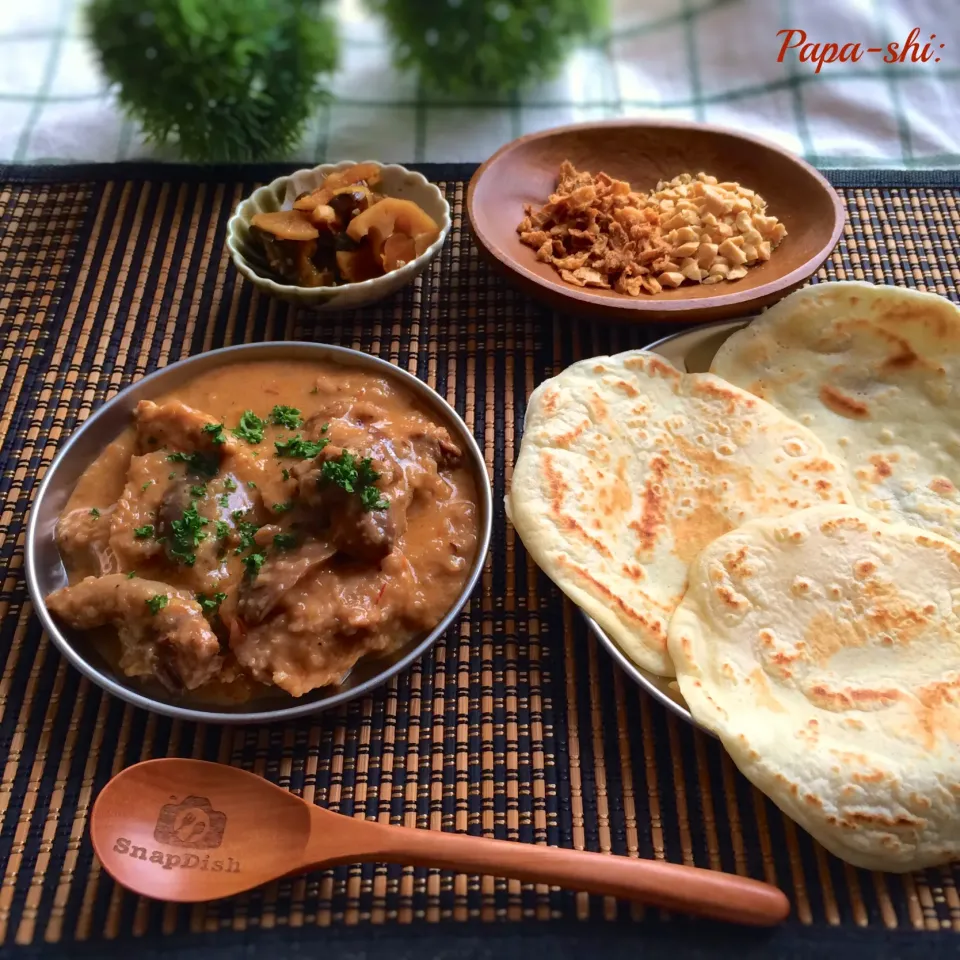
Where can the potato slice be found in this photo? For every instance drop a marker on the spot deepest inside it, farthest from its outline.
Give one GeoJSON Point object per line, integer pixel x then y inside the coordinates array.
{"type": "Point", "coordinates": [358, 265]}
{"type": "Point", "coordinates": [398, 250]}
{"type": "Point", "coordinates": [369, 173]}
{"type": "Point", "coordinates": [286, 225]}
{"type": "Point", "coordinates": [393, 215]}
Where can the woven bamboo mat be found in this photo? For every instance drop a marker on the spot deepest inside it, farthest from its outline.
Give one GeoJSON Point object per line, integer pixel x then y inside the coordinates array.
{"type": "Point", "coordinates": [516, 726]}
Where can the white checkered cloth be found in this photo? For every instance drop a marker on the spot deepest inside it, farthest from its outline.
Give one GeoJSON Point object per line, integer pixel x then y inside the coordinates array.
{"type": "Point", "coordinates": [713, 61]}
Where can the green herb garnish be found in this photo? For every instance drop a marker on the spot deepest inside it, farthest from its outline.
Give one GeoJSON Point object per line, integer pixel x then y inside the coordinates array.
{"type": "Point", "coordinates": [131, 574]}
{"type": "Point", "coordinates": [210, 604]}
{"type": "Point", "coordinates": [283, 541]}
{"type": "Point", "coordinates": [253, 563]}
{"type": "Point", "coordinates": [229, 484]}
{"type": "Point", "coordinates": [288, 417]}
{"type": "Point", "coordinates": [186, 535]}
{"type": "Point", "coordinates": [146, 485]}
{"type": "Point", "coordinates": [299, 448]}
{"type": "Point", "coordinates": [355, 477]}
{"type": "Point", "coordinates": [222, 528]}
{"type": "Point", "coordinates": [285, 474]}
{"type": "Point", "coordinates": [199, 463]}
{"type": "Point", "coordinates": [216, 433]}
{"type": "Point", "coordinates": [372, 500]}
{"type": "Point", "coordinates": [250, 427]}
{"type": "Point", "coordinates": [223, 500]}
{"type": "Point", "coordinates": [238, 514]}
{"type": "Point", "coordinates": [95, 513]}
{"type": "Point", "coordinates": [283, 507]}
{"type": "Point", "coordinates": [157, 603]}
{"type": "Point", "coordinates": [142, 533]}
{"type": "Point", "coordinates": [198, 490]}
{"type": "Point", "coordinates": [246, 532]}
{"type": "Point", "coordinates": [251, 485]}
{"type": "Point", "coordinates": [172, 475]}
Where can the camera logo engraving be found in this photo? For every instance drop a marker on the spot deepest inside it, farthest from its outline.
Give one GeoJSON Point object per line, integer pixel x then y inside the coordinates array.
{"type": "Point", "coordinates": [191, 823]}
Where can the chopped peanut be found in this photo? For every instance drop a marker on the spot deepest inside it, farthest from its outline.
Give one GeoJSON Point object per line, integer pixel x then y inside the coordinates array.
{"type": "Point", "coordinates": [599, 232]}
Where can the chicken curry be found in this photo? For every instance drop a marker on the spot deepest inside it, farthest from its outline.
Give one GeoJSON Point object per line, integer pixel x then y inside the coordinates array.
{"type": "Point", "coordinates": [268, 524]}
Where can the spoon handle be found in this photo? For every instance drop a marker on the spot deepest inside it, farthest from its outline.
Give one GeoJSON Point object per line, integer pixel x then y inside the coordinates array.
{"type": "Point", "coordinates": [707, 893]}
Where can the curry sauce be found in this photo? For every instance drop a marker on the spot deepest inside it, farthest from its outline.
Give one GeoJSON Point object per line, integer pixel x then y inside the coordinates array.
{"type": "Point", "coordinates": [265, 526]}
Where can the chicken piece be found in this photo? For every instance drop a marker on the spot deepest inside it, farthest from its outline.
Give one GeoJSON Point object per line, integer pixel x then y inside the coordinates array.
{"type": "Point", "coordinates": [198, 536]}
{"type": "Point", "coordinates": [176, 426]}
{"type": "Point", "coordinates": [168, 639]}
{"type": "Point", "coordinates": [320, 629]}
{"type": "Point", "coordinates": [367, 535]}
{"type": "Point", "coordinates": [83, 536]}
{"type": "Point", "coordinates": [133, 533]}
{"type": "Point", "coordinates": [431, 440]}
{"type": "Point", "coordinates": [277, 576]}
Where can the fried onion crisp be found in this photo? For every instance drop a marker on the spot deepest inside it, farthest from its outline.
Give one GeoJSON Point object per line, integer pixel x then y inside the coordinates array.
{"type": "Point", "coordinates": [599, 232]}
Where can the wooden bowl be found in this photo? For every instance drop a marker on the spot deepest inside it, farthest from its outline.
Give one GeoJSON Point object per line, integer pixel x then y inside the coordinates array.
{"type": "Point", "coordinates": [643, 152]}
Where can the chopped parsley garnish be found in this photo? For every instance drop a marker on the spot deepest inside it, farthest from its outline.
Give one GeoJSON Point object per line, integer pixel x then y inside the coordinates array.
{"type": "Point", "coordinates": [205, 466]}
{"type": "Point", "coordinates": [283, 541]}
{"type": "Point", "coordinates": [283, 507]}
{"type": "Point", "coordinates": [157, 603]}
{"type": "Point", "coordinates": [95, 513]}
{"type": "Point", "coordinates": [198, 490]}
{"type": "Point", "coordinates": [371, 499]}
{"type": "Point", "coordinates": [172, 475]}
{"type": "Point", "coordinates": [229, 484]}
{"type": "Point", "coordinates": [210, 604]}
{"type": "Point", "coordinates": [222, 528]}
{"type": "Point", "coordinates": [238, 514]}
{"type": "Point", "coordinates": [300, 448]}
{"type": "Point", "coordinates": [186, 535]}
{"type": "Point", "coordinates": [250, 427]}
{"type": "Point", "coordinates": [246, 532]}
{"type": "Point", "coordinates": [355, 477]}
{"type": "Point", "coordinates": [285, 474]}
{"type": "Point", "coordinates": [146, 485]}
{"type": "Point", "coordinates": [223, 500]}
{"type": "Point", "coordinates": [142, 533]}
{"type": "Point", "coordinates": [131, 574]}
{"type": "Point", "coordinates": [325, 428]}
{"type": "Point", "coordinates": [216, 433]}
{"type": "Point", "coordinates": [288, 417]}
{"type": "Point", "coordinates": [251, 485]}
{"type": "Point", "coordinates": [253, 563]}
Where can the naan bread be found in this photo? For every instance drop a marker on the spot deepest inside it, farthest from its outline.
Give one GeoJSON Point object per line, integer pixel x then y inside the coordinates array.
{"type": "Point", "coordinates": [823, 649]}
{"type": "Point", "coordinates": [628, 468]}
{"type": "Point", "coordinates": [875, 373]}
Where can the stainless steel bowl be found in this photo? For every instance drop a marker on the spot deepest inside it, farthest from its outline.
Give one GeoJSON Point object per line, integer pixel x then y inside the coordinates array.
{"type": "Point", "coordinates": [692, 351]}
{"type": "Point", "coordinates": [45, 570]}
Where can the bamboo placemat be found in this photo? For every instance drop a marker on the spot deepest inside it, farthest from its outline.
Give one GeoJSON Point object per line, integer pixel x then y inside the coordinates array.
{"type": "Point", "coordinates": [517, 725]}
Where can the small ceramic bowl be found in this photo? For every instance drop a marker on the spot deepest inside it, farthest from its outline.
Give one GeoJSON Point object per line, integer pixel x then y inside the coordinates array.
{"type": "Point", "coordinates": [396, 181]}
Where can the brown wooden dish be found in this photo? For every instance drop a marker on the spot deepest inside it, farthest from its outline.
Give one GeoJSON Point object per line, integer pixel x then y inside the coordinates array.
{"type": "Point", "coordinates": [644, 152]}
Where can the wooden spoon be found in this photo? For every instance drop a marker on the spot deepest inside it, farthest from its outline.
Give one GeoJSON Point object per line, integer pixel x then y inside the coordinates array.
{"type": "Point", "coordinates": [188, 830]}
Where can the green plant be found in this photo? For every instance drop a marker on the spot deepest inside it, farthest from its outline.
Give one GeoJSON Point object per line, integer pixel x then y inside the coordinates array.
{"type": "Point", "coordinates": [460, 46]}
{"type": "Point", "coordinates": [230, 80]}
